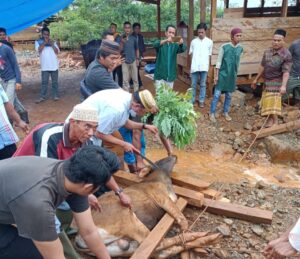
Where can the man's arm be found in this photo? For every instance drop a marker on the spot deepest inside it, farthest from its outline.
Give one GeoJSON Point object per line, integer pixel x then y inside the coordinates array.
{"type": "Point", "coordinates": [124, 198]}
{"type": "Point", "coordinates": [14, 116]}
{"type": "Point", "coordinates": [280, 246]}
{"type": "Point", "coordinates": [14, 63]}
{"type": "Point", "coordinates": [218, 64]}
{"type": "Point", "coordinates": [51, 249]}
{"type": "Point", "coordinates": [90, 235]}
{"type": "Point", "coordinates": [261, 70]}
{"type": "Point", "coordinates": [111, 139]}
{"type": "Point", "coordinates": [138, 125]}
{"type": "Point", "coordinates": [167, 144]}
{"type": "Point", "coordinates": [181, 47]}
{"type": "Point", "coordinates": [285, 78]}
{"type": "Point", "coordinates": [54, 47]}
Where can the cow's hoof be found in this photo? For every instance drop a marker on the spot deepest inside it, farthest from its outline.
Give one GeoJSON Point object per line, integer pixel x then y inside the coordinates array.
{"type": "Point", "coordinates": [123, 244]}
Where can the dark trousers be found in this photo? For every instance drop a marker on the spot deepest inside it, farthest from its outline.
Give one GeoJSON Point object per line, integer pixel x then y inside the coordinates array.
{"type": "Point", "coordinates": [13, 246]}
{"type": "Point", "coordinates": [118, 72]}
{"type": "Point", "coordinates": [45, 80]}
{"type": "Point", "coordinates": [8, 151]}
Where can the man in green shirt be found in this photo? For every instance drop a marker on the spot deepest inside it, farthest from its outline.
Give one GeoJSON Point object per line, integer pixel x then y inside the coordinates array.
{"type": "Point", "coordinates": [166, 54]}
{"type": "Point", "coordinates": [226, 73]}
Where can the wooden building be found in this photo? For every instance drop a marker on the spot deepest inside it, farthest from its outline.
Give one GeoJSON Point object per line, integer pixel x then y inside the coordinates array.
{"type": "Point", "coordinates": [258, 25]}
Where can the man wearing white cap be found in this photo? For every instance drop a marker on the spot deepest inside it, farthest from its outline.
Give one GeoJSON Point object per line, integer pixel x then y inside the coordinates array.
{"type": "Point", "coordinates": [114, 107]}
{"type": "Point", "coordinates": [61, 141]}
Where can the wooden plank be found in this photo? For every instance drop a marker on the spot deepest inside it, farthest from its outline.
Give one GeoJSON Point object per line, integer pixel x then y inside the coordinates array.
{"type": "Point", "coordinates": [238, 211]}
{"type": "Point", "coordinates": [178, 12]}
{"type": "Point", "coordinates": [158, 19]}
{"type": "Point", "coordinates": [192, 197]}
{"type": "Point", "coordinates": [293, 125]}
{"type": "Point", "coordinates": [189, 180]}
{"type": "Point", "coordinates": [284, 8]}
{"type": "Point", "coordinates": [211, 194]}
{"type": "Point", "coordinates": [213, 12]}
{"type": "Point", "coordinates": [147, 247]}
{"type": "Point", "coordinates": [202, 10]}
{"type": "Point", "coordinates": [190, 35]}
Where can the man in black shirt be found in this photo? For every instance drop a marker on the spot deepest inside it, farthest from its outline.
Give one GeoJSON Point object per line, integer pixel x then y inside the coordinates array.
{"type": "Point", "coordinates": [99, 73]}
{"type": "Point", "coordinates": [31, 188]}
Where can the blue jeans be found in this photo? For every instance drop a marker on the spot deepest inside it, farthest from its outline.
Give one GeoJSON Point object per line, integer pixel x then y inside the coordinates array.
{"type": "Point", "coordinates": [216, 98]}
{"type": "Point", "coordinates": [129, 157]}
{"type": "Point", "coordinates": [45, 80]}
{"type": "Point", "coordinates": [195, 76]}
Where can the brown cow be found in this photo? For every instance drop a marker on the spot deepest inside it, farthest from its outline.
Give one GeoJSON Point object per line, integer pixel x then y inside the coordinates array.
{"type": "Point", "coordinates": [150, 199]}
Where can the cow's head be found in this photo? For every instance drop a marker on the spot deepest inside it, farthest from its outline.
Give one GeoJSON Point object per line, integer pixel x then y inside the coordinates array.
{"type": "Point", "coordinates": [167, 164]}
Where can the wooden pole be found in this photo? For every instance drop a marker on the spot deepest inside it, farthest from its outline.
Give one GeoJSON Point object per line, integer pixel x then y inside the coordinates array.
{"type": "Point", "coordinates": [213, 13]}
{"type": "Point", "coordinates": [284, 8]}
{"type": "Point", "coordinates": [190, 30]}
{"type": "Point", "coordinates": [202, 10]}
{"type": "Point", "coordinates": [226, 3]}
{"type": "Point", "coordinates": [245, 7]}
{"type": "Point", "coordinates": [158, 19]}
{"type": "Point", "coordinates": [178, 12]}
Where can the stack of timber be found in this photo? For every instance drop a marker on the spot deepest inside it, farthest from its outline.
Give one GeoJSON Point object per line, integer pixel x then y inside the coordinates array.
{"type": "Point", "coordinates": [199, 194]}
{"type": "Point", "coordinates": [194, 192]}
{"type": "Point", "coordinates": [24, 40]}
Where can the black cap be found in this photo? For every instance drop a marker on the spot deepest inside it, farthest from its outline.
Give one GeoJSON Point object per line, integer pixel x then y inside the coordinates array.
{"type": "Point", "coordinates": [281, 32]}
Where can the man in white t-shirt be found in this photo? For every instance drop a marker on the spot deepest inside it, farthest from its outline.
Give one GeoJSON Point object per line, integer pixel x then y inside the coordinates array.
{"type": "Point", "coordinates": [201, 50]}
{"type": "Point", "coordinates": [288, 244]}
{"type": "Point", "coordinates": [114, 107]}
{"type": "Point", "coordinates": [48, 51]}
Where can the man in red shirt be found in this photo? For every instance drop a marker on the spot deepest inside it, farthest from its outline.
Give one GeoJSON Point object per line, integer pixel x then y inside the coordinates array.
{"type": "Point", "coordinates": [61, 141]}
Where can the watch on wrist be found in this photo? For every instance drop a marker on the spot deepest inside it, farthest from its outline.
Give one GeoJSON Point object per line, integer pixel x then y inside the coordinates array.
{"type": "Point", "coordinates": [144, 126]}
{"type": "Point", "coordinates": [119, 191]}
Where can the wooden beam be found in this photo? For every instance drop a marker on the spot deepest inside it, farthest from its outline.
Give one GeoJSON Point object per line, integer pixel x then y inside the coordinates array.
{"type": "Point", "coordinates": [192, 197]}
{"type": "Point", "coordinates": [276, 129]}
{"type": "Point", "coordinates": [147, 247]}
{"type": "Point", "coordinates": [178, 12]}
{"type": "Point", "coordinates": [238, 211]}
{"type": "Point", "coordinates": [284, 8]}
{"type": "Point", "coordinates": [189, 180]}
{"type": "Point", "coordinates": [211, 194]}
{"type": "Point", "coordinates": [213, 12]}
{"type": "Point", "coordinates": [158, 19]}
{"type": "Point", "coordinates": [202, 10]}
{"type": "Point", "coordinates": [190, 30]}
{"type": "Point", "coordinates": [245, 7]}
{"type": "Point", "coordinates": [227, 4]}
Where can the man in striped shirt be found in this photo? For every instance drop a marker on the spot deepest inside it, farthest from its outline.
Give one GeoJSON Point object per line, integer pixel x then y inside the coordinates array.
{"type": "Point", "coordinates": [8, 137]}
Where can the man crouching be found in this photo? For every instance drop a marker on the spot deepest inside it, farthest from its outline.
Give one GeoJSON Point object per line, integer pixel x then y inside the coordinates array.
{"type": "Point", "coordinates": [31, 188]}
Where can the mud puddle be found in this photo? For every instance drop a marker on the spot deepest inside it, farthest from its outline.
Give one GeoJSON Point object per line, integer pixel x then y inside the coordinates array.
{"type": "Point", "coordinates": [224, 169]}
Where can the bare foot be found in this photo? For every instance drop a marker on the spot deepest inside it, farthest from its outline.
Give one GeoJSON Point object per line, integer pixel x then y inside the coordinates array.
{"type": "Point", "coordinates": [269, 123]}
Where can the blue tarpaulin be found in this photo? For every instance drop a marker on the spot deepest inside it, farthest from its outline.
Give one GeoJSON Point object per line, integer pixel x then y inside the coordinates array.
{"type": "Point", "coordinates": [17, 15]}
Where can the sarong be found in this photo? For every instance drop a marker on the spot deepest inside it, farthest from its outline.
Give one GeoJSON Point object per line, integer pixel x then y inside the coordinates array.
{"type": "Point", "coordinates": [270, 103]}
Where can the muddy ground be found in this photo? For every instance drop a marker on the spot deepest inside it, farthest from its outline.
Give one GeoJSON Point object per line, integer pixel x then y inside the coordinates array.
{"type": "Point", "coordinates": [228, 140]}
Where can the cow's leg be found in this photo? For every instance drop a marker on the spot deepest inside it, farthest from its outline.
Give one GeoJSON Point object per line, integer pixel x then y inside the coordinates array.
{"type": "Point", "coordinates": [138, 231]}
{"type": "Point", "coordinates": [163, 200]}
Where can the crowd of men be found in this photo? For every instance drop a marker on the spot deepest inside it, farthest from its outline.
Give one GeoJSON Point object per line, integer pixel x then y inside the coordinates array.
{"type": "Point", "coordinates": [57, 172]}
